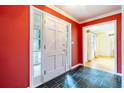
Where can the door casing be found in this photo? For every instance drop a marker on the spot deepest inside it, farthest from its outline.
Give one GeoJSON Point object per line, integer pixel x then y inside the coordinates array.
{"type": "Point", "coordinates": [115, 31]}
{"type": "Point", "coordinates": [123, 46]}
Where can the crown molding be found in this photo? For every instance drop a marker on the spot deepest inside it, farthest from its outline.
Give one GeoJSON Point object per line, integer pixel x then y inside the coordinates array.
{"type": "Point", "coordinates": [84, 21]}
{"type": "Point", "coordinates": [101, 16]}
{"type": "Point", "coordinates": [62, 12]}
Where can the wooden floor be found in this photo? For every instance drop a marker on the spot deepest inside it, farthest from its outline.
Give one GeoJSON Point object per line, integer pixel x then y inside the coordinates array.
{"type": "Point", "coordinates": [102, 63]}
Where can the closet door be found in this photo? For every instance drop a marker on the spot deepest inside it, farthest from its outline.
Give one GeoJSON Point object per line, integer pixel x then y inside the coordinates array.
{"type": "Point", "coordinates": [54, 48]}
{"type": "Point", "coordinates": [36, 77]}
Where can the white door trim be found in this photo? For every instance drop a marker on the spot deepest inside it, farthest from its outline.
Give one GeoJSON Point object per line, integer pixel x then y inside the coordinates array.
{"type": "Point", "coordinates": [32, 8]}
{"type": "Point", "coordinates": [123, 46]}
{"type": "Point", "coordinates": [30, 49]}
{"type": "Point", "coordinates": [31, 40]}
{"type": "Point", "coordinates": [115, 22]}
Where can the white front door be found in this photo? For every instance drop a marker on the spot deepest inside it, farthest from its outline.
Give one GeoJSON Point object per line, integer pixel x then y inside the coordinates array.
{"type": "Point", "coordinates": [54, 48]}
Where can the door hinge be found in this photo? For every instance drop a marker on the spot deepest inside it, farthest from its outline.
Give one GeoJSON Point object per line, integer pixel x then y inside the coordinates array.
{"type": "Point", "coordinates": [44, 72]}
{"type": "Point", "coordinates": [44, 46]}
{"type": "Point", "coordinates": [44, 21]}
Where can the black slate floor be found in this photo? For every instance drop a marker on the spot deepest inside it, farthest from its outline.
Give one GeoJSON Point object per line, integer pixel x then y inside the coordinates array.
{"type": "Point", "coordinates": [84, 77]}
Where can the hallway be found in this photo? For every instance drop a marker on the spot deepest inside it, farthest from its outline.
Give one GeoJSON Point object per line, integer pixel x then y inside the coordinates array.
{"type": "Point", "coordinates": [102, 63]}
{"type": "Point", "coordinates": [43, 43]}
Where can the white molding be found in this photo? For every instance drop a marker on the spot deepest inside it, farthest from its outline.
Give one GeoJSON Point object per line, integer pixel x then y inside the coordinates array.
{"type": "Point", "coordinates": [70, 40]}
{"type": "Point", "coordinates": [80, 22]}
{"type": "Point", "coordinates": [30, 50]}
{"type": "Point", "coordinates": [98, 24]}
{"type": "Point", "coordinates": [119, 74]}
{"type": "Point", "coordinates": [62, 12]}
{"type": "Point", "coordinates": [75, 66]}
{"type": "Point", "coordinates": [122, 46]}
{"type": "Point", "coordinates": [101, 16]}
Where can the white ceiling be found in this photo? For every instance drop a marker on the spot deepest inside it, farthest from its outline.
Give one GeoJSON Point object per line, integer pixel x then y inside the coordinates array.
{"type": "Point", "coordinates": [85, 12]}
{"type": "Point", "coordinates": [102, 28]}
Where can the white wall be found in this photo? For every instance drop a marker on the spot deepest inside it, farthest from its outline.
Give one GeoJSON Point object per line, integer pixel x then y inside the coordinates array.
{"type": "Point", "coordinates": [104, 45]}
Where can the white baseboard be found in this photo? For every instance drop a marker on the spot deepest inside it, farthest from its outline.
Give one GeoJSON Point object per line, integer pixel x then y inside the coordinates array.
{"type": "Point", "coordinates": [119, 74]}
{"type": "Point", "coordinates": [75, 66]}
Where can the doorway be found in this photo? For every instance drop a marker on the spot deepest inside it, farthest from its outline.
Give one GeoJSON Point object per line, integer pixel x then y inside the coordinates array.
{"type": "Point", "coordinates": [50, 47]}
{"type": "Point", "coordinates": [99, 45]}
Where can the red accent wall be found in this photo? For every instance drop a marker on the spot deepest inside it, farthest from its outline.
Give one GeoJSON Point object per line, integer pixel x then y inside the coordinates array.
{"type": "Point", "coordinates": [119, 30]}
{"type": "Point", "coordinates": [14, 43]}
{"type": "Point", "coordinates": [14, 46]}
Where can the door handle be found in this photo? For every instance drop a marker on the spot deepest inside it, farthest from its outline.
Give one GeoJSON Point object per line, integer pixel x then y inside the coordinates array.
{"type": "Point", "coordinates": [64, 50]}
{"type": "Point", "coordinates": [63, 44]}
{"type": "Point", "coordinates": [44, 46]}
{"type": "Point", "coordinates": [44, 72]}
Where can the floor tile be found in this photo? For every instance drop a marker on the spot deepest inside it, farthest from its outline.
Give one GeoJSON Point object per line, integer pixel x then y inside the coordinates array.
{"type": "Point", "coordinates": [84, 77]}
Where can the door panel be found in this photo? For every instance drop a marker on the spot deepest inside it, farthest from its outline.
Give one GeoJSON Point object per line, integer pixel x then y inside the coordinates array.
{"type": "Point", "coordinates": [55, 48]}
{"type": "Point", "coordinates": [61, 48]}
{"type": "Point", "coordinates": [59, 61]}
{"type": "Point", "coordinates": [50, 63]}
{"type": "Point", "coordinates": [50, 48]}
{"type": "Point", "coordinates": [51, 23]}
{"type": "Point", "coordinates": [61, 40]}
{"type": "Point", "coordinates": [50, 40]}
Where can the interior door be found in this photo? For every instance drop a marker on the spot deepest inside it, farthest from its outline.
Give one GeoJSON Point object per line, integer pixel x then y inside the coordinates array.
{"type": "Point", "coordinates": [54, 48]}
